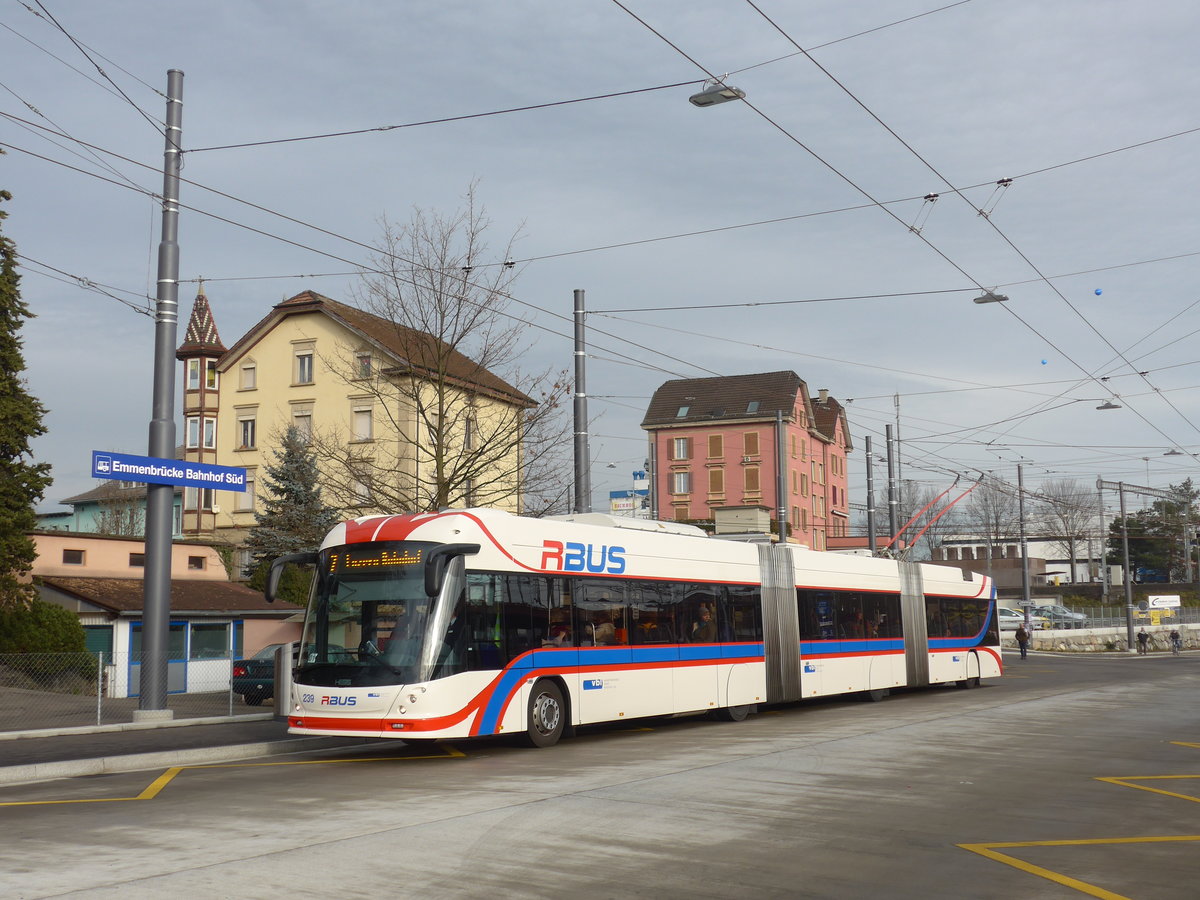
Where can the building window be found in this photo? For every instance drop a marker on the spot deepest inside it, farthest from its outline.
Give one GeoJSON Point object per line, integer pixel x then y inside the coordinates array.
{"type": "Point", "coordinates": [792, 444]}
{"type": "Point", "coordinates": [752, 407]}
{"type": "Point", "coordinates": [682, 413]}
{"type": "Point", "coordinates": [193, 374]}
{"type": "Point", "coordinates": [804, 519]}
{"type": "Point", "coordinates": [210, 374]}
{"type": "Point", "coordinates": [362, 424]}
{"type": "Point", "coordinates": [246, 433]}
{"type": "Point", "coordinates": [795, 485]}
{"type": "Point", "coordinates": [192, 432]}
{"type": "Point", "coordinates": [795, 523]}
{"type": "Point", "coordinates": [244, 502]}
{"type": "Point", "coordinates": [304, 367]}
{"type": "Point", "coordinates": [681, 482]}
{"type": "Point", "coordinates": [363, 365]}
{"type": "Point", "coordinates": [72, 557]}
{"type": "Point", "coordinates": [177, 520]}
{"type": "Point", "coordinates": [716, 446]}
{"type": "Point", "coordinates": [302, 422]}
{"type": "Point", "coordinates": [137, 560]}
{"type": "Point", "coordinates": [210, 640]}
{"type": "Point", "coordinates": [682, 514]}
{"type": "Point", "coordinates": [804, 485]}
{"type": "Point", "coordinates": [191, 497]}
{"type": "Point", "coordinates": [249, 377]}
{"type": "Point", "coordinates": [681, 448]}
{"type": "Point", "coordinates": [206, 499]}
{"type": "Point", "coordinates": [716, 481]}
{"type": "Point", "coordinates": [210, 434]}
{"type": "Point", "coordinates": [751, 440]}
{"type": "Point", "coordinates": [752, 486]}
{"type": "Point", "coordinates": [196, 562]}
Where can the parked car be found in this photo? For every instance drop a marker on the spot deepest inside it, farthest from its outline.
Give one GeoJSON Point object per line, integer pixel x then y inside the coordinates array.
{"type": "Point", "coordinates": [254, 677]}
{"type": "Point", "coordinates": [1011, 618]}
{"type": "Point", "coordinates": [1061, 617]}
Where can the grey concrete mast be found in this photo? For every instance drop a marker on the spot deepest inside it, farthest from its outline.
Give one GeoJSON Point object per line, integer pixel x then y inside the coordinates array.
{"type": "Point", "coordinates": [160, 498]}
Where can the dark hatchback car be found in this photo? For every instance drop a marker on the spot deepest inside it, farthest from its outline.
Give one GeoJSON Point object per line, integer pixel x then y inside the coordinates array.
{"type": "Point", "coordinates": [254, 678]}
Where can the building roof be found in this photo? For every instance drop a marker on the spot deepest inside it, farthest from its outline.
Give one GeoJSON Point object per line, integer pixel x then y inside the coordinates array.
{"type": "Point", "coordinates": [826, 414]}
{"type": "Point", "coordinates": [201, 338]}
{"type": "Point", "coordinates": [724, 397]}
{"type": "Point", "coordinates": [111, 490]}
{"type": "Point", "coordinates": [404, 345]}
{"type": "Point", "coordinates": [122, 596]}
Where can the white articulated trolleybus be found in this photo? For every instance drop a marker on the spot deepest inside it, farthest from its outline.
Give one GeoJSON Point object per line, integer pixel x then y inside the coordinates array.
{"type": "Point", "coordinates": [476, 622]}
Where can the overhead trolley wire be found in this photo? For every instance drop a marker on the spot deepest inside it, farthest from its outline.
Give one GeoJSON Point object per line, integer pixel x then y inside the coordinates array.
{"type": "Point", "coordinates": [1088, 375]}
{"type": "Point", "coordinates": [158, 126]}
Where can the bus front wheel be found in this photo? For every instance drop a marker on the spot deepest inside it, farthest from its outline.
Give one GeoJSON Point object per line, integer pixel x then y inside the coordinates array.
{"type": "Point", "coordinates": [547, 714]}
{"type": "Point", "coordinates": [732, 713]}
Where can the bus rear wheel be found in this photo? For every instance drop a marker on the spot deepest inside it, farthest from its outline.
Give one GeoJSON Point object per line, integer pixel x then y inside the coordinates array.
{"type": "Point", "coordinates": [547, 714]}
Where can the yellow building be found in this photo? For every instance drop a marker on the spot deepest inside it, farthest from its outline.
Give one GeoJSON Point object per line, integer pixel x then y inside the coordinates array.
{"type": "Point", "coordinates": [398, 420]}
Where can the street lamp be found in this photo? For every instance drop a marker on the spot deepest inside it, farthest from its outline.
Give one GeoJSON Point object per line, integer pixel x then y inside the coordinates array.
{"type": "Point", "coordinates": [715, 93]}
{"type": "Point", "coordinates": [991, 297]}
{"type": "Point", "coordinates": [1109, 404]}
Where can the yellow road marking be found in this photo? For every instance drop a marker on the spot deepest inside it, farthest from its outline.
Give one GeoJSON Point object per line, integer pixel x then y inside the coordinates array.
{"type": "Point", "coordinates": [155, 787]}
{"type": "Point", "coordinates": [1124, 781]}
{"type": "Point", "coordinates": [990, 851]}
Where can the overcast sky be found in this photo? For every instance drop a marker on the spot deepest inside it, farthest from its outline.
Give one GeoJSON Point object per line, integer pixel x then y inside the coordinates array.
{"type": "Point", "coordinates": [810, 190]}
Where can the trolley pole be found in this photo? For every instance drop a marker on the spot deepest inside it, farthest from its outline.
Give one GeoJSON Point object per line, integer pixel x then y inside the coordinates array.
{"type": "Point", "coordinates": [160, 498]}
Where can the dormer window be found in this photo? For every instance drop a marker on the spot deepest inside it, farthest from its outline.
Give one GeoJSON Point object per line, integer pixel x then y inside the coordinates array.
{"type": "Point", "coordinates": [752, 407]}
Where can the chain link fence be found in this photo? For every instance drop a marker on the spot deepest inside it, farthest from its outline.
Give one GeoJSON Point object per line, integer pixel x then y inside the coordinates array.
{"type": "Point", "coordinates": [65, 690]}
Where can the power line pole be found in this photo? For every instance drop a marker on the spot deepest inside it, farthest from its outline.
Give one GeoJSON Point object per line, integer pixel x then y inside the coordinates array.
{"type": "Point", "coordinates": [583, 463]}
{"type": "Point", "coordinates": [870, 498]}
{"type": "Point", "coordinates": [160, 498]}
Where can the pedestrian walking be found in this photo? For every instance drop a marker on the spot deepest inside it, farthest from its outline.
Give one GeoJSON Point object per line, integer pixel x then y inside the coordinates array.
{"type": "Point", "coordinates": [1022, 640]}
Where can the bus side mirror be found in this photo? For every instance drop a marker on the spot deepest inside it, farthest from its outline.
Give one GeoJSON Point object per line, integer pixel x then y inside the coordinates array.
{"type": "Point", "coordinates": [436, 561]}
{"type": "Point", "coordinates": [276, 571]}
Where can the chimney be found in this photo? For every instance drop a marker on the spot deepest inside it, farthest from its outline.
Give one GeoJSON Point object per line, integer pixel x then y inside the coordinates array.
{"type": "Point", "coordinates": [823, 396]}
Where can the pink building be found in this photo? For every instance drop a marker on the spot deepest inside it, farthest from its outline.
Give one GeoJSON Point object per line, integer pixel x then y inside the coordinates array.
{"type": "Point", "coordinates": [714, 443]}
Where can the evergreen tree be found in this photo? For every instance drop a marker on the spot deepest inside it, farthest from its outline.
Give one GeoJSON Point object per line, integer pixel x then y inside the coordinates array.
{"type": "Point", "coordinates": [22, 482]}
{"type": "Point", "coordinates": [293, 517]}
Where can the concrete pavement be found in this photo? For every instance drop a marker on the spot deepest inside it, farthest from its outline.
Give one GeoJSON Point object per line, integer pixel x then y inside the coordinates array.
{"type": "Point", "coordinates": [42, 754]}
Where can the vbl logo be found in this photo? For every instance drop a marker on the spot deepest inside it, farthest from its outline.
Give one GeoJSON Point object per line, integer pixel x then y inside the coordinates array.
{"type": "Point", "coordinates": [339, 701]}
{"type": "Point", "coordinates": [575, 557]}
{"type": "Point", "coordinates": [593, 684]}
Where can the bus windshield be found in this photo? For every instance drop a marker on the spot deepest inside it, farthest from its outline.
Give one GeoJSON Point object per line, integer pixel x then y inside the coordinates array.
{"type": "Point", "coordinates": [369, 619]}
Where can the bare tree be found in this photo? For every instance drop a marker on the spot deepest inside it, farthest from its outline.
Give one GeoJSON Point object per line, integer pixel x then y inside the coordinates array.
{"type": "Point", "coordinates": [459, 422]}
{"type": "Point", "coordinates": [1067, 513]}
{"type": "Point", "coordinates": [992, 513]}
{"type": "Point", "coordinates": [121, 509]}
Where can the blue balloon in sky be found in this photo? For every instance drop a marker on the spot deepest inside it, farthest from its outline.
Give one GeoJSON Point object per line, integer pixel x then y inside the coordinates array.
{"type": "Point", "coordinates": [1043, 362]}
{"type": "Point", "coordinates": [1099, 292]}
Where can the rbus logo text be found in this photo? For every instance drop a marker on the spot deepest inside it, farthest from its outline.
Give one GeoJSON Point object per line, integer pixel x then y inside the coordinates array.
{"type": "Point", "coordinates": [573, 557]}
{"type": "Point", "coordinates": [339, 701]}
